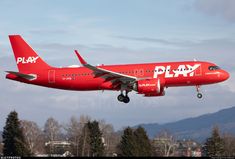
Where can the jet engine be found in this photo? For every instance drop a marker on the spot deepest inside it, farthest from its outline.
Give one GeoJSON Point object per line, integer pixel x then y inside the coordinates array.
{"type": "Point", "coordinates": [150, 87]}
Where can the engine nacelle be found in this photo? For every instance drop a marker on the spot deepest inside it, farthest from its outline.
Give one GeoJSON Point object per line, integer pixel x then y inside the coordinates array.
{"type": "Point", "coordinates": [151, 87]}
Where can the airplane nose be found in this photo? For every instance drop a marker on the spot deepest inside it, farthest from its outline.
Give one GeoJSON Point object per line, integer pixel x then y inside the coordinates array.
{"type": "Point", "coordinates": [224, 75]}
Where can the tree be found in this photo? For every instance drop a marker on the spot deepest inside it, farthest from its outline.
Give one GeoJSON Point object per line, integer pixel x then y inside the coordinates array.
{"type": "Point", "coordinates": [164, 144]}
{"type": "Point", "coordinates": [143, 144]}
{"type": "Point", "coordinates": [127, 144]}
{"type": "Point", "coordinates": [13, 138]}
{"type": "Point", "coordinates": [84, 142]}
{"type": "Point", "coordinates": [1, 147]}
{"type": "Point", "coordinates": [214, 146]}
{"type": "Point", "coordinates": [111, 138]}
{"type": "Point", "coordinates": [96, 144]}
{"type": "Point", "coordinates": [74, 132]}
{"type": "Point", "coordinates": [135, 143]}
{"type": "Point", "coordinates": [33, 136]}
{"type": "Point", "coordinates": [229, 145]}
{"type": "Point", "coordinates": [1, 144]}
{"type": "Point", "coordinates": [77, 134]}
{"type": "Point", "coordinates": [52, 129]}
{"type": "Point", "coordinates": [52, 132]}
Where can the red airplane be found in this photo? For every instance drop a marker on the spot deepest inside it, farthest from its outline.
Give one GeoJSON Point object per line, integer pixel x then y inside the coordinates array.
{"type": "Point", "coordinates": [149, 79]}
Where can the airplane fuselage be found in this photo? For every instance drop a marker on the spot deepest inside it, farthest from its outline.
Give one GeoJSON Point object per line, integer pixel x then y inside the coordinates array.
{"type": "Point", "coordinates": [187, 73]}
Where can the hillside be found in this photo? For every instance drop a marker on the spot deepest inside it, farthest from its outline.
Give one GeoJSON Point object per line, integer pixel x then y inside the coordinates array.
{"type": "Point", "coordinates": [198, 128]}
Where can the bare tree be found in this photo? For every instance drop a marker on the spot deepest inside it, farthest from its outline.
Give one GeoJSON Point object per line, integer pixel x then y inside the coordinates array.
{"type": "Point", "coordinates": [52, 129]}
{"type": "Point", "coordinates": [77, 134]}
{"type": "Point", "coordinates": [33, 136]}
{"type": "Point", "coordinates": [52, 132]}
{"type": "Point", "coordinates": [1, 144]}
{"type": "Point", "coordinates": [110, 138]}
{"type": "Point", "coordinates": [229, 145]}
{"type": "Point", "coordinates": [74, 129]}
{"type": "Point", "coordinates": [164, 144]}
{"type": "Point", "coordinates": [84, 138]}
{"type": "Point", "coordinates": [1, 148]}
{"type": "Point", "coordinates": [84, 119]}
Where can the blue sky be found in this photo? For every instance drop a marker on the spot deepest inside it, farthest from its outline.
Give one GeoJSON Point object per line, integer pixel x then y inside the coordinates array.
{"type": "Point", "coordinates": [110, 32]}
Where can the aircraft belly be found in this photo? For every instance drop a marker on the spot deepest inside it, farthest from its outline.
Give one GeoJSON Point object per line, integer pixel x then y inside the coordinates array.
{"type": "Point", "coordinates": [79, 84]}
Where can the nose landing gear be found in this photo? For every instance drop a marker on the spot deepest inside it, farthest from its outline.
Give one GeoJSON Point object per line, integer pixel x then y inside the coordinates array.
{"type": "Point", "coordinates": [199, 95]}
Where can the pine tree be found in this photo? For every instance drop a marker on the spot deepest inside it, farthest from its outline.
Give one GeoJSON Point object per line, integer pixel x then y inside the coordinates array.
{"type": "Point", "coordinates": [214, 146]}
{"type": "Point", "coordinates": [135, 143]}
{"type": "Point", "coordinates": [96, 144]}
{"type": "Point", "coordinates": [13, 138]}
{"type": "Point", "coordinates": [128, 145]}
{"type": "Point", "coordinates": [143, 144]}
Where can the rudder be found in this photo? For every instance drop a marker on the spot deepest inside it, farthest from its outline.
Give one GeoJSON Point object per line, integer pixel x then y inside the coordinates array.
{"type": "Point", "coordinates": [26, 58]}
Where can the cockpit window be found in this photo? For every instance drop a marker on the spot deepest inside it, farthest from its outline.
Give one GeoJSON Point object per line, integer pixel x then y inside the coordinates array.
{"type": "Point", "coordinates": [211, 68]}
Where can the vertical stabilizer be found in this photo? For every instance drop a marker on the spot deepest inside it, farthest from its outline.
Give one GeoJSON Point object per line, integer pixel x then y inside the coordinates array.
{"type": "Point", "coordinates": [26, 58]}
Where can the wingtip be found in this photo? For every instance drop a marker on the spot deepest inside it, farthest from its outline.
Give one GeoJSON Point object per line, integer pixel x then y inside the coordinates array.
{"type": "Point", "coordinates": [83, 62]}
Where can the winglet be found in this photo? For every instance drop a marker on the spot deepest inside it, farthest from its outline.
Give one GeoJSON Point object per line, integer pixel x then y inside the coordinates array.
{"type": "Point", "coordinates": [83, 62]}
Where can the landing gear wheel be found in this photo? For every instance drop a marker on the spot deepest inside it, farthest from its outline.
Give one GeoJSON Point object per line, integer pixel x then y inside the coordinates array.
{"type": "Point", "coordinates": [126, 99]}
{"type": "Point", "coordinates": [199, 95]}
{"type": "Point", "coordinates": [121, 97]}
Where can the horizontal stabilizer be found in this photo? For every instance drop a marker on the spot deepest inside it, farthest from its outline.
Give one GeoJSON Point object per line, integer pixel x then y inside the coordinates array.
{"type": "Point", "coordinates": [25, 76]}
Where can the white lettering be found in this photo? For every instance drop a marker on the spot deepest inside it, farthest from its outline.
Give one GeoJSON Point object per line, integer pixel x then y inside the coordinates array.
{"type": "Point", "coordinates": [168, 75]}
{"type": "Point", "coordinates": [158, 70]}
{"type": "Point", "coordinates": [180, 71]}
{"type": "Point", "coordinates": [183, 70]}
{"type": "Point", "coordinates": [193, 68]}
{"type": "Point", "coordinates": [19, 59]}
{"type": "Point", "coordinates": [25, 60]}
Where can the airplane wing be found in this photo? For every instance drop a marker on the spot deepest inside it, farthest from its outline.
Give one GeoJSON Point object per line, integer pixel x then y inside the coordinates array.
{"type": "Point", "coordinates": [114, 77]}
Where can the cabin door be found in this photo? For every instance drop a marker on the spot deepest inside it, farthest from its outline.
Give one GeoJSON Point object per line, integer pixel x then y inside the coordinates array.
{"type": "Point", "coordinates": [51, 76]}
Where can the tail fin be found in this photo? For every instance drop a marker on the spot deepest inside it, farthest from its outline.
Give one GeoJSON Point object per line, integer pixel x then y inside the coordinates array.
{"type": "Point", "coordinates": [26, 58]}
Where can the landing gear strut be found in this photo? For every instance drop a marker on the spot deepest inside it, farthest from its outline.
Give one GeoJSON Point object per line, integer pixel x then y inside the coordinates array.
{"type": "Point", "coordinates": [199, 95]}
{"type": "Point", "coordinates": [123, 98]}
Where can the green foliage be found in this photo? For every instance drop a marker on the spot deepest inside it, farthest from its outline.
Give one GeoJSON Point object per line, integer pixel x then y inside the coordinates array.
{"type": "Point", "coordinates": [214, 146]}
{"type": "Point", "coordinates": [128, 145]}
{"type": "Point", "coordinates": [135, 143]}
{"type": "Point", "coordinates": [13, 138]}
{"type": "Point", "coordinates": [143, 144]}
{"type": "Point", "coordinates": [96, 144]}
{"type": "Point", "coordinates": [90, 143]}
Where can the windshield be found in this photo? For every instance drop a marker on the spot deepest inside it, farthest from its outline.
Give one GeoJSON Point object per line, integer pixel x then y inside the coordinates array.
{"type": "Point", "coordinates": [211, 68]}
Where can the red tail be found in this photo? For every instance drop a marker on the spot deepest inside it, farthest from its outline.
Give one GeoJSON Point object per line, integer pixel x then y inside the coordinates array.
{"type": "Point", "coordinates": [26, 58]}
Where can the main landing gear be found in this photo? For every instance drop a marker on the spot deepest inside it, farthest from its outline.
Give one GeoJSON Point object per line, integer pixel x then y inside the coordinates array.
{"type": "Point", "coordinates": [199, 95]}
{"type": "Point", "coordinates": [123, 98]}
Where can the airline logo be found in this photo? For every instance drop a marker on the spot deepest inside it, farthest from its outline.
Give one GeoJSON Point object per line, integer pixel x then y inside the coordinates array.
{"type": "Point", "coordinates": [24, 60]}
{"type": "Point", "coordinates": [183, 70]}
